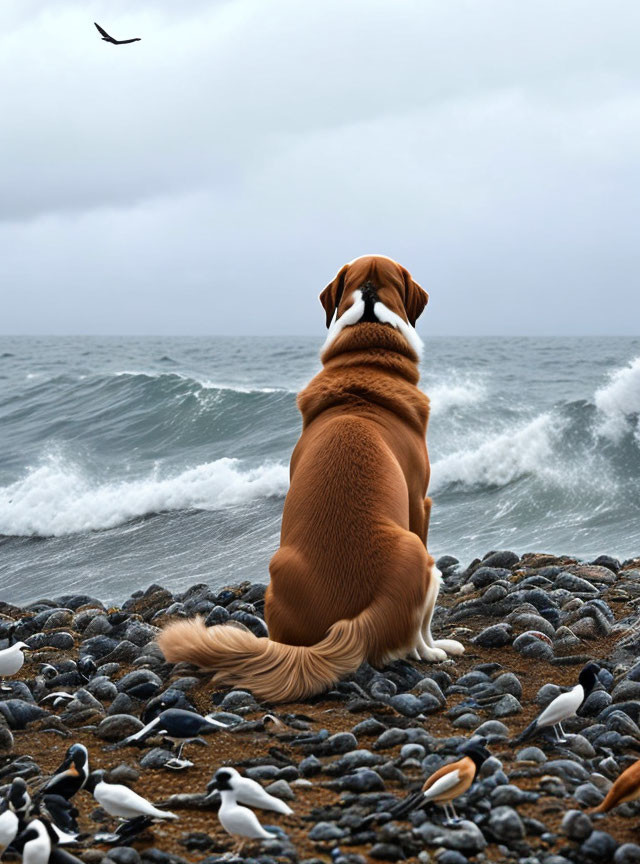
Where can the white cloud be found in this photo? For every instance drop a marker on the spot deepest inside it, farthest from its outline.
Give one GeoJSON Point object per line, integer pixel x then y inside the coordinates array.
{"type": "Point", "coordinates": [214, 175]}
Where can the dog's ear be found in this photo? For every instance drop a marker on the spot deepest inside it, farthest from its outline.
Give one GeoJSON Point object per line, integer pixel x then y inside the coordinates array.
{"type": "Point", "coordinates": [415, 298]}
{"type": "Point", "coordinates": [332, 294]}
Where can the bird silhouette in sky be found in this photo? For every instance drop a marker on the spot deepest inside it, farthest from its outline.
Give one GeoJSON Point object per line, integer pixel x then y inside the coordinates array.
{"type": "Point", "coordinates": [107, 38]}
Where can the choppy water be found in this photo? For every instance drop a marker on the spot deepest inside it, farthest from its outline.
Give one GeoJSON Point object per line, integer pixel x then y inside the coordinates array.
{"type": "Point", "coordinates": [128, 461]}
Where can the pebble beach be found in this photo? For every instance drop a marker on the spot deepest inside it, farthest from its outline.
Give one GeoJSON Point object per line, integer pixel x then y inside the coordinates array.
{"type": "Point", "coordinates": [343, 759]}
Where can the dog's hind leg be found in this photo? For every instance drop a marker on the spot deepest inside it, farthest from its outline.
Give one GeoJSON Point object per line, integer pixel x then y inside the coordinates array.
{"type": "Point", "coordinates": [449, 646]}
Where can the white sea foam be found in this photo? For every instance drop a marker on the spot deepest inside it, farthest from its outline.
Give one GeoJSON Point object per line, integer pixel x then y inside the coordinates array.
{"type": "Point", "coordinates": [57, 498]}
{"type": "Point", "coordinates": [619, 402]}
{"type": "Point", "coordinates": [502, 458]}
{"type": "Point", "coordinates": [460, 394]}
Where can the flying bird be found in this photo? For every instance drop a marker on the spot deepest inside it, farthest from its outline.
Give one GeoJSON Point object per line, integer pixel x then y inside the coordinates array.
{"type": "Point", "coordinates": [250, 792]}
{"type": "Point", "coordinates": [71, 775]}
{"type": "Point", "coordinates": [107, 38]}
{"type": "Point", "coordinates": [562, 707]}
{"type": "Point", "coordinates": [238, 821]}
{"type": "Point", "coordinates": [449, 782]}
{"type": "Point", "coordinates": [121, 802]}
{"type": "Point", "coordinates": [625, 789]}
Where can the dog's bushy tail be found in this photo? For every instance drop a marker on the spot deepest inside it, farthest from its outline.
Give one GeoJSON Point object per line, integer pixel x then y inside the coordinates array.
{"type": "Point", "coordinates": [272, 670]}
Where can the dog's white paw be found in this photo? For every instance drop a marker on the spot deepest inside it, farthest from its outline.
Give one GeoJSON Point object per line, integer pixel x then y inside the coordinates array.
{"type": "Point", "coordinates": [432, 655]}
{"type": "Point", "coordinates": [450, 646]}
{"type": "Point", "coordinates": [415, 654]}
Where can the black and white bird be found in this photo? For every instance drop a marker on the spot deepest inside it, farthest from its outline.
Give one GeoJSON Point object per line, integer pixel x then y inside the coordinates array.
{"type": "Point", "coordinates": [9, 824]}
{"type": "Point", "coordinates": [16, 806]}
{"type": "Point", "coordinates": [177, 725]}
{"type": "Point", "coordinates": [107, 38]}
{"type": "Point", "coordinates": [12, 819]}
{"type": "Point", "coordinates": [121, 802]}
{"type": "Point", "coordinates": [38, 844]}
{"type": "Point", "coordinates": [12, 660]}
{"type": "Point", "coordinates": [238, 821]}
{"type": "Point", "coordinates": [250, 792]}
{"type": "Point", "coordinates": [449, 782]}
{"type": "Point", "coordinates": [562, 707]}
{"type": "Point", "coordinates": [71, 775]}
{"type": "Point", "coordinates": [35, 843]}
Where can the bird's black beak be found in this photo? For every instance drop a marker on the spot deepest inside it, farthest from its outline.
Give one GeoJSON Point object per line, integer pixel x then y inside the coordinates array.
{"type": "Point", "coordinates": [212, 785]}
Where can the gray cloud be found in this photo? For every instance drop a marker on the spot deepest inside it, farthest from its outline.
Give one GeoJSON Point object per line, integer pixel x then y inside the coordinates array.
{"type": "Point", "coordinates": [212, 177]}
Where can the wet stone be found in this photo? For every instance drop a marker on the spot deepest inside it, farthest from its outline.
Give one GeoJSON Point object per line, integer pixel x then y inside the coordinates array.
{"type": "Point", "coordinates": [507, 706]}
{"type": "Point", "coordinates": [576, 825]}
{"type": "Point", "coordinates": [505, 824]}
{"type": "Point", "coordinates": [628, 853]}
{"type": "Point", "coordinates": [495, 636]}
{"type": "Point", "coordinates": [326, 831]}
{"type": "Point", "coordinates": [118, 727]}
{"type": "Point", "coordinates": [599, 847]}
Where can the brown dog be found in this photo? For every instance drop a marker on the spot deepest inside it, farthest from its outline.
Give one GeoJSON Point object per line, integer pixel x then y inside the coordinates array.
{"type": "Point", "coordinates": [352, 579]}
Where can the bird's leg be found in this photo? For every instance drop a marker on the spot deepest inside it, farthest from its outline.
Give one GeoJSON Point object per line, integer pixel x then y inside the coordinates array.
{"type": "Point", "coordinates": [447, 818]}
{"type": "Point", "coordinates": [560, 739]}
{"type": "Point", "coordinates": [565, 735]}
{"type": "Point", "coordinates": [456, 818]}
{"type": "Point", "coordinates": [180, 748]}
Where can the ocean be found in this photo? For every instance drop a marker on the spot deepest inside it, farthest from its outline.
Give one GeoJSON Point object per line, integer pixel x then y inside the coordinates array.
{"type": "Point", "coordinates": [131, 461]}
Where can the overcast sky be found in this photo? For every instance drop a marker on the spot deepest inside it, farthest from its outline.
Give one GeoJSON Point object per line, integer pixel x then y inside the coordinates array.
{"type": "Point", "coordinates": [214, 176]}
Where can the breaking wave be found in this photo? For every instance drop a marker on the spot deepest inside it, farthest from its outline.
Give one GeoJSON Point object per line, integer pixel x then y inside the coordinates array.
{"type": "Point", "coordinates": [619, 403]}
{"type": "Point", "coordinates": [502, 458]}
{"type": "Point", "coordinates": [56, 498]}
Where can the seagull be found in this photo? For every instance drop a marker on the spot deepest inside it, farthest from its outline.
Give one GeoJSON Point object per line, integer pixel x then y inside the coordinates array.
{"type": "Point", "coordinates": [71, 775]}
{"type": "Point", "coordinates": [449, 782]}
{"type": "Point", "coordinates": [12, 660]}
{"type": "Point", "coordinates": [176, 724]}
{"type": "Point", "coordinates": [107, 38]}
{"type": "Point", "coordinates": [236, 820]}
{"type": "Point", "coordinates": [625, 789]}
{"type": "Point", "coordinates": [562, 707]}
{"type": "Point", "coordinates": [121, 802]}
{"type": "Point", "coordinates": [248, 791]}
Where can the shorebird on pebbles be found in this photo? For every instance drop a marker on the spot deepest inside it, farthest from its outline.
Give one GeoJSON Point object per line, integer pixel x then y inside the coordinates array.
{"type": "Point", "coordinates": [240, 822]}
{"type": "Point", "coordinates": [250, 792]}
{"type": "Point", "coordinates": [16, 804]}
{"type": "Point", "coordinates": [562, 707]}
{"type": "Point", "coordinates": [12, 661]}
{"type": "Point", "coordinates": [179, 726]}
{"type": "Point", "coordinates": [449, 782]}
{"type": "Point", "coordinates": [71, 775]}
{"type": "Point", "coordinates": [121, 802]}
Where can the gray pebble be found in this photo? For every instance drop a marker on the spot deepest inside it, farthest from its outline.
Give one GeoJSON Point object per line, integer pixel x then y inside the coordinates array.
{"type": "Point", "coordinates": [505, 824]}
{"type": "Point", "coordinates": [599, 846]}
{"type": "Point", "coordinates": [281, 789]}
{"type": "Point", "coordinates": [118, 726]}
{"type": "Point", "coordinates": [508, 706]}
{"type": "Point", "coordinates": [576, 825]}
{"type": "Point", "coordinates": [588, 795]}
{"type": "Point", "coordinates": [628, 853]}
{"type": "Point", "coordinates": [325, 831]}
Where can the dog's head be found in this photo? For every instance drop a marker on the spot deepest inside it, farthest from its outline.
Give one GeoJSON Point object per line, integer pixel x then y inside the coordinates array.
{"type": "Point", "coordinates": [392, 282]}
{"type": "Point", "coordinates": [374, 288]}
